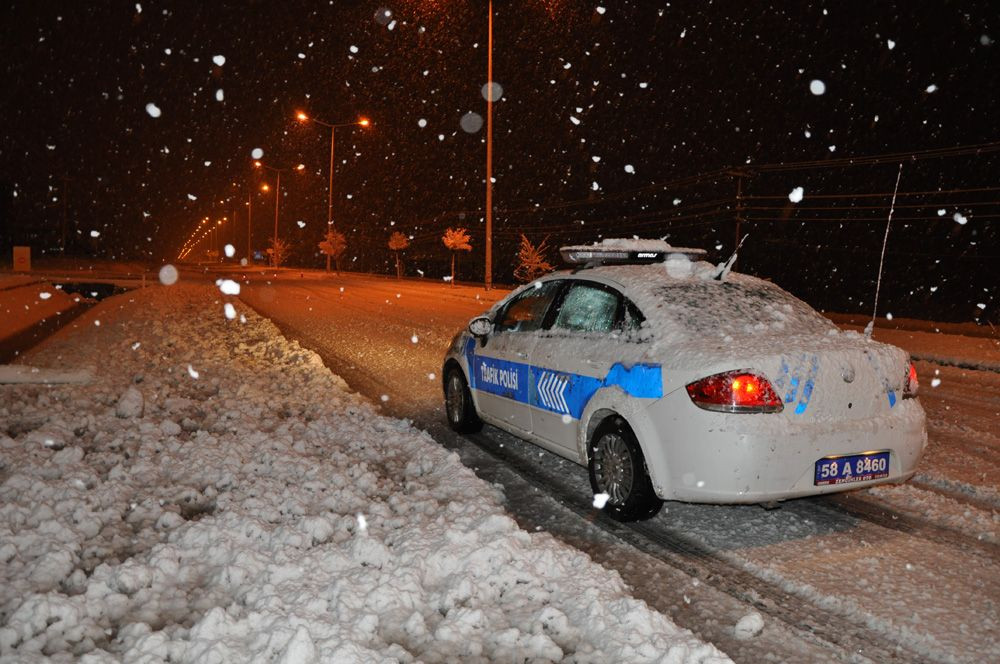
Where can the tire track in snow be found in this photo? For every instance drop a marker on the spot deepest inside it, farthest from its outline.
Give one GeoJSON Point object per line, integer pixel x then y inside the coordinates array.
{"type": "Point", "coordinates": [817, 624]}
{"type": "Point", "coordinates": [884, 516]}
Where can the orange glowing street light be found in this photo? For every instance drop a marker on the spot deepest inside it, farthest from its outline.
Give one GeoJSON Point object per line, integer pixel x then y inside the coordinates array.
{"type": "Point", "coordinates": [277, 197]}
{"type": "Point", "coordinates": [362, 122]}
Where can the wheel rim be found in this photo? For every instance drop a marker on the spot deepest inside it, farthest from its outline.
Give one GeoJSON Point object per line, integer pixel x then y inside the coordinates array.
{"type": "Point", "coordinates": [455, 399]}
{"type": "Point", "coordinates": [613, 466]}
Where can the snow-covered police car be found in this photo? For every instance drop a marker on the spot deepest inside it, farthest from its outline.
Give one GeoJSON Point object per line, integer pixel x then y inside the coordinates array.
{"type": "Point", "coordinates": [674, 379]}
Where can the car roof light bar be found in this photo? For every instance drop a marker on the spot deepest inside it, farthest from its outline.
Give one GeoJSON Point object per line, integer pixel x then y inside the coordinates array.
{"type": "Point", "coordinates": [593, 256]}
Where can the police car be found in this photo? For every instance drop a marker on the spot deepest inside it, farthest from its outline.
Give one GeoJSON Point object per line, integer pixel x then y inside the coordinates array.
{"type": "Point", "coordinates": [670, 378]}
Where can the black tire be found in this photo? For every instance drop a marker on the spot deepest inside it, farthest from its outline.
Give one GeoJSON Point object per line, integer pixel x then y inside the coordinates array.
{"type": "Point", "coordinates": [618, 468]}
{"type": "Point", "coordinates": [458, 406]}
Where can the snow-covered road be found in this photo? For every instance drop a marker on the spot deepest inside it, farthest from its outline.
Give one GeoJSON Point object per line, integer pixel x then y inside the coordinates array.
{"type": "Point", "coordinates": [907, 570]}
{"type": "Point", "coordinates": [215, 494]}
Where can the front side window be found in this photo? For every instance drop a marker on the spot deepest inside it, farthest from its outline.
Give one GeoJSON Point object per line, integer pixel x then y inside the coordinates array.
{"type": "Point", "coordinates": [526, 312]}
{"type": "Point", "coordinates": [588, 308]}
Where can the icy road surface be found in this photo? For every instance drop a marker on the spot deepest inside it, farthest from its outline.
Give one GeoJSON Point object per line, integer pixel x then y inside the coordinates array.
{"type": "Point", "coordinates": [903, 571]}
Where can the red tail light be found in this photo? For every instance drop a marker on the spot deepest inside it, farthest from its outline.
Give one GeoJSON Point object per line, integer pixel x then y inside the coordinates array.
{"type": "Point", "coordinates": [912, 385]}
{"type": "Point", "coordinates": [735, 392]}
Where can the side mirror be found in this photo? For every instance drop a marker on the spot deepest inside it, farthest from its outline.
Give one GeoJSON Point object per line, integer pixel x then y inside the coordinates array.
{"type": "Point", "coordinates": [480, 326]}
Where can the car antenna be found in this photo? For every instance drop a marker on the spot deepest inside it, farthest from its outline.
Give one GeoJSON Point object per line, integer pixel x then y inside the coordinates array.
{"type": "Point", "coordinates": [870, 327]}
{"type": "Point", "coordinates": [724, 270]}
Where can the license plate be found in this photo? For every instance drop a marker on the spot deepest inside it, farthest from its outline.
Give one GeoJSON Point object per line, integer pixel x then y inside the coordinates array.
{"type": "Point", "coordinates": [852, 468]}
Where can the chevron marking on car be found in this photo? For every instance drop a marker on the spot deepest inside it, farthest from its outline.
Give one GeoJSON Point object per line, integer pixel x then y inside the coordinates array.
{"type": "Point", "coordinates": [551, 391]}
{"type": "Point", "coordinates": [803, 374]}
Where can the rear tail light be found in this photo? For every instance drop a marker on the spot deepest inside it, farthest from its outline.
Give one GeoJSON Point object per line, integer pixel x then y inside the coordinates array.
{"type": "Point", "coordinates": [912, 385]}
{"type": "Point", "coordinates": [735, 392]}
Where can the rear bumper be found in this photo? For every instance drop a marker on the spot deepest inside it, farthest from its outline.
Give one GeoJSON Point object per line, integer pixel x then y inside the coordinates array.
{"type": "Point", "coordinates": [720, 458]}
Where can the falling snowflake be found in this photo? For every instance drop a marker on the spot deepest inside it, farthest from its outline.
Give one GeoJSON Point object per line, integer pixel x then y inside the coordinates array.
{"type": "Point", "coordinates": [256, 153]}
{"type": "Point", "coordinates": [191, 370]}
{"type": "Point", "coordinates": [960, 218]}
{"type": "Point", "coordinates": [228, 287]}
{"type": "Point", "coordinates": [493, 89]}
{"type": "Point", "coordinates": [796, 195]}
{"type": "Point", "coordinates": [229, 310]}
{"type": "Point", "coordinates": [168, 275]}
{"type": "Point", "coordinates": [471, 122]}
{"type": "Point", "coordinates": [600, 500]}
{"type": "Point", "coordinates": [629, 168]}
{"type": "Point", "coordinates": [230, 250]}
{"type": "Point", "coordinates": [817, 87]}
{"type": "Point", "coordinates": [932, 88]}
{"type": "Point", "coordinates": [153, 110]}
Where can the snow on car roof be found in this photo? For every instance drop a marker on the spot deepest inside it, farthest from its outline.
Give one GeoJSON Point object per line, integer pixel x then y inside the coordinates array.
{"type": "Point", "coordinates": [689, 312]}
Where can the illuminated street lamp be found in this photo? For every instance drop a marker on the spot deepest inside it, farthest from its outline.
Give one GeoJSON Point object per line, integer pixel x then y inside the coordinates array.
{"type": "Point", "coordinates": [363, 122]}
{"type": "Point", "coordinates": [277, 196]}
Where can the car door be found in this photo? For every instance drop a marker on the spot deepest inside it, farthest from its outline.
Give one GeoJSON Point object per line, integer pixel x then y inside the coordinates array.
{"type": "Point", "coordinates": [574, 357]}
{"type": "Point", "coordinates": [499, 366]}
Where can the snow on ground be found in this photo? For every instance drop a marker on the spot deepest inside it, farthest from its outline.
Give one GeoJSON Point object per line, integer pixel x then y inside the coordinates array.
{"type": "Point", "coordinates": [216, 494]}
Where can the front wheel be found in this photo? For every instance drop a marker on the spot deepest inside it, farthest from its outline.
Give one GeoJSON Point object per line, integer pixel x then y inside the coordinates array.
{"type": "Point", "coordinates": [618, 470]}
{"type": "Point", "coordinates": [462, 416]}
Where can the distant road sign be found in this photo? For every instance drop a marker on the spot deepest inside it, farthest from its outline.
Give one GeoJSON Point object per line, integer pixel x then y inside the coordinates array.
{"type": "Point", "coordinates": [22, 259]}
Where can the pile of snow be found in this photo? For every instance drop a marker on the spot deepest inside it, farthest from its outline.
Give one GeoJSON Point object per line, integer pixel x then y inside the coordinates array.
{"type": "Point", "coordinates": [261, 512]}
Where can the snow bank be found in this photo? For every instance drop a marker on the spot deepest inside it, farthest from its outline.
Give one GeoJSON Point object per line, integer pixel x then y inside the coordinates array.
{"type": "Point", "coordinates": [259, 511]}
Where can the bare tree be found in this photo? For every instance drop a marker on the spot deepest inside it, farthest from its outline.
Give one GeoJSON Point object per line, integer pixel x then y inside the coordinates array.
{"type": "Point", "coordinates": [333, 245]}
{"type": "Point", "coordinates": [279, 250]}
{"type": "Point", "coordinates": [531, 262]}
{"type": "Point", "coordinates": [456, 239]}
{"type": "Point", "coordinates": [397, 243]}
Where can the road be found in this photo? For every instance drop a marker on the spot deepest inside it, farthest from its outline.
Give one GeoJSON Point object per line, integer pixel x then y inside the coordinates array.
{"type": "Point", "coordinates": [890, 574]}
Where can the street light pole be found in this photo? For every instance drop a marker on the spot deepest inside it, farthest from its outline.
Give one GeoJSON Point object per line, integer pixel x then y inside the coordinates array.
{"type": "Point", "coordinates": [363, 122]}
{"type": "Point", "coordinates": [489, 152]}
{"type": "Point", "coordinates": [329, 186]}
{"type": "Point", "coordinates": [277, 195]}
{"type": "Point", "coordinates": [249, 211]}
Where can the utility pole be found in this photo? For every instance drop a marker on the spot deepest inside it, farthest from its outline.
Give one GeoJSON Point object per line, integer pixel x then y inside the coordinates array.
{"type": "Point", "coordinates": [739, 174]}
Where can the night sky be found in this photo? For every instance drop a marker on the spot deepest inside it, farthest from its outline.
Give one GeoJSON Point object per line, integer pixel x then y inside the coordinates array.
{"type": "Point", "coordinates": [617, 118]}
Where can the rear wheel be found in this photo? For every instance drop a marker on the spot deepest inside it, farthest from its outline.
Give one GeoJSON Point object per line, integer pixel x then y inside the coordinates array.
{"type": "Point", "coordinates": [618, 470]}
{"type": "Point", "coordinates": [462, 416]}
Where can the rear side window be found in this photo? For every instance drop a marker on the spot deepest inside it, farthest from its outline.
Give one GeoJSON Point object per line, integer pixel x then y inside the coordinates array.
{"type": "Point", "coordinates": [526, 312]}
{"type": "Point", "coordinates": [588, 308]}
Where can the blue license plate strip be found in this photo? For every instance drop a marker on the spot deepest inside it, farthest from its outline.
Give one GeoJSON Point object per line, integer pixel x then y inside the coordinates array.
{"type": "Point", "coordinates": [852, 468]}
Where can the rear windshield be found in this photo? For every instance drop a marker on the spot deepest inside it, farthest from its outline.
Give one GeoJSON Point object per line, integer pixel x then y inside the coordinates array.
{"type": "Point", "coordinates": [703, 308]}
